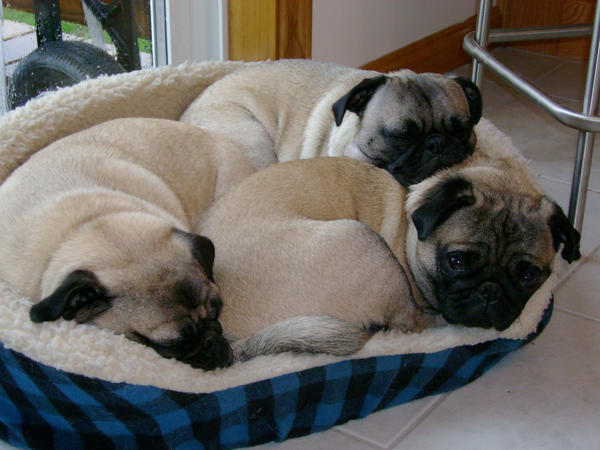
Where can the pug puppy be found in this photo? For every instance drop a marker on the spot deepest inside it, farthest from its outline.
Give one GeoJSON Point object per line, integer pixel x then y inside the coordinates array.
{"type": "Point", "coordinates": [409, 124]}
{"type": "Point", "coordinates": [317, 255]}
{"type": "Point", "coordinates": [96, 228]}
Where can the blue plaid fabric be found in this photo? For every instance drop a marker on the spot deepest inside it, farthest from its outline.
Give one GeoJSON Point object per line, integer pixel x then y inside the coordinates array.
{"type": "Point", "coordinates": [42, 407]}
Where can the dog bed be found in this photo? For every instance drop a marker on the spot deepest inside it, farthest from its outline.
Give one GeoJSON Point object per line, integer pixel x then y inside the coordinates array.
{"type": "Point", "coordinates": [65, 385]}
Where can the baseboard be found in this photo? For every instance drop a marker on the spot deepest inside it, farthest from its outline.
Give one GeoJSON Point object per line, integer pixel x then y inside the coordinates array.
{"type": "Point", "coordinates": [439, 52]}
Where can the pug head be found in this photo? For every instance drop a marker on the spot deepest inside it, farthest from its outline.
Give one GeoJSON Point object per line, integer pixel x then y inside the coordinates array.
{"type": "Point", "coordinates": [479, 247]}
{"type": "Point", "coordinates": [147, 281]}
{"type": "Point", "coordinates": [413, 125]}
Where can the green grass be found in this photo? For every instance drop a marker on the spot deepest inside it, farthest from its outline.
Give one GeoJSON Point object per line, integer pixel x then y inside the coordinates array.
{"type": "Point", "coordinates": [75, 29]}
{"type": "Point", "coordinates": [18, 16]}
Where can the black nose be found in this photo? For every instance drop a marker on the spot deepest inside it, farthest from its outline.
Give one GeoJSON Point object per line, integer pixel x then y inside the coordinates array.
{"type": "Point", "coordinates": [209, 349]}
{"type": "Point", "coordinates": [490, 292]}
{"type": "Point", "coordinates": [435, 143]}
{"type": "Point", "coordinates": [501, 310]}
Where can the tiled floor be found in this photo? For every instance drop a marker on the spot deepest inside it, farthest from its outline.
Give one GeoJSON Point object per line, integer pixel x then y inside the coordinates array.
{"type": "Point", "coordinates": [547, 395]}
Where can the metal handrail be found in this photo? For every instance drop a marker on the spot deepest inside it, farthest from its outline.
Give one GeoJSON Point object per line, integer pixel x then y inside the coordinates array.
{"type": "Point", "coordinates": [586, 122]}
{"type": "Point", "coordinates": [566, 116]}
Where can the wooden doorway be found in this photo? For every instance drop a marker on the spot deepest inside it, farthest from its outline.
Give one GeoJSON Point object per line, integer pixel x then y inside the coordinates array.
{"type": "Point", "coordinates": [269, 29]}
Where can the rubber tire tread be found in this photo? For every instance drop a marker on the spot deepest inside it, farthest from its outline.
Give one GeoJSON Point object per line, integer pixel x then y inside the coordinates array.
{"type": "Point", "coordinates": [69, 62]}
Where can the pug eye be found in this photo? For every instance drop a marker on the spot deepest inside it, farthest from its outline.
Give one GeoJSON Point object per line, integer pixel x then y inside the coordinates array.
{"type": "Point", "coordinates": [527, 275]}
{"type": "Point", "coordinates": [409, 132]}
{"type": "Point", "coordinates": [462, 262]}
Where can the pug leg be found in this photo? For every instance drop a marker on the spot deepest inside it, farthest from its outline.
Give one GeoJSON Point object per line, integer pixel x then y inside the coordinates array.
{"type": "Point", "coordinates": [239, 125]}
{"type": "Point", "coordinates": [312, 334]}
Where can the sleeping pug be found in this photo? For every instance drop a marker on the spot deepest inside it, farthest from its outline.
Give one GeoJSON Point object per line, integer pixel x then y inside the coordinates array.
{"type": "Point", "coordinates": [410, 124]}
{"type": "Point", "coordinates": [317, 255]}
{"type": "Point", "coordinates": [96, 227]}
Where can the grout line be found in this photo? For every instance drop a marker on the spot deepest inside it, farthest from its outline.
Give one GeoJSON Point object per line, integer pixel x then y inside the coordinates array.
{"type": "Point", "coordinates": [577, 314]}
{"type": "Point", "coordinates": [532, 53]}
{"type": "Point", "coordinates": [502, 103]}
{"type": "Point", "coordinates": [571, 99]}
{"type": "Point", "coordinates": [549, 72]}
{"type": "Point", "coordinates": [556, 180]}
{"type": "Point", "coordinates": [417, 420]}
{"type": "Point", "coordinates": [533, 81]}
{"type": "Point", "coordinates": [358, 437]}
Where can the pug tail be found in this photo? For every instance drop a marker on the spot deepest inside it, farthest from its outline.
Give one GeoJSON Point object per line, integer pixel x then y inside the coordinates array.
{"type": "Point", "coordinates": [312, 334]}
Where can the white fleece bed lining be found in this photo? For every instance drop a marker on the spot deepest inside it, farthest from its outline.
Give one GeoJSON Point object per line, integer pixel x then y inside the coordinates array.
{"type": "Point", "coordinates": [89, 351]}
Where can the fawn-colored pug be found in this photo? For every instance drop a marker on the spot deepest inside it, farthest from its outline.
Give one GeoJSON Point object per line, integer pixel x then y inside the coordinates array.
{"type": "Point", "coordinates": [98, 227]}
{"type": "Point", "coordinates": [411, 124]}
{"type": "Point", "coordinates": [316, 255]}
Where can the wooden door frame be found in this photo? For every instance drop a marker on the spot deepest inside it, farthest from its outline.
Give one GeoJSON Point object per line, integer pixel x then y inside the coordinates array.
{"type": "Point", "coordinates": [269, 29]}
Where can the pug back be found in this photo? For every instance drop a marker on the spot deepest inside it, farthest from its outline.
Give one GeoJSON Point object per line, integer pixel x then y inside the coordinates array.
{"type": "Point", "coordinates": [410, 124]}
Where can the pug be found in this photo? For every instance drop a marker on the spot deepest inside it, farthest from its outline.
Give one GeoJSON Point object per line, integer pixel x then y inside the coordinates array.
{"type": "Point", "coordinates": [409, 124]}
{"type": "Point", "coordinates": [317, 255]}
{"type": "Point", "coordinates": [96, 228]}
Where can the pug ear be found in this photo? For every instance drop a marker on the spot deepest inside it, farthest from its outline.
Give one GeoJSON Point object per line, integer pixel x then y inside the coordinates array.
{"type": "Point", "coordinates": [357, 98]}
{"type": "Point", "coordinates": [204, 251]}
{"type": "Point", "coordinates": [473, 95]}
{"type": "Point", "coordinates": [442, 201]}
{"type": "Point", "coordinates": [564, 233]}
{"type": "Point", "coordinates": [80, 289]}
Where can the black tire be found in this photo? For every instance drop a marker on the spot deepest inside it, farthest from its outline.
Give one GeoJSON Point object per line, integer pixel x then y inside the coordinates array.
{"type": "Point", "coordinates": [57, 64]}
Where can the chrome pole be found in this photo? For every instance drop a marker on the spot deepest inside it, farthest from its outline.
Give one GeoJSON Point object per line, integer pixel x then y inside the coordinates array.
{"type": "Point", "coordinates": [537, 33]}
{"type": "Point", "coordinates": [564, 115]}
{"type": "Point", "coordinates": [481, 37]}
{"type": "Point", "coordinates": [585, 140]}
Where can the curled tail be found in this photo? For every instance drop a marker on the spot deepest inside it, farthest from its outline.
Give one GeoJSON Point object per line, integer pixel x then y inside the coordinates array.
{"type": "Point", "coordinates": [312, 334]}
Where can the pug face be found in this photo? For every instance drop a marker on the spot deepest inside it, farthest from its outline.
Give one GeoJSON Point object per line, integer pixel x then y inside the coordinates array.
{"type": "Point", "coordinates": [413, 125]}
{"type": "Point", "coordinates": [152, 284]}
{"type": "Point", "coordinates": [480, 254]}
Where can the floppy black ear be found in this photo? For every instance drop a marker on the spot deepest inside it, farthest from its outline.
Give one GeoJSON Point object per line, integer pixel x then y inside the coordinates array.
{"type": "Point", "coordinates": [357, 98]}
{"type": "Point", "coordinates": [443, 200]}
{"type": "Point", "coordinates": [81, 289]}
{"type": "Point", "coordinates": [204, 251]}
{"type": "Point", "coordinates": [473, 95]}
{"type": "Point", "coordinates": [564, 233]}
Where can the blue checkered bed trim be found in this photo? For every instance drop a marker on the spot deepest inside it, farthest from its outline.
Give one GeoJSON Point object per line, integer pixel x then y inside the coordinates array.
{"type": "Point", "coordinates": [42, 407]}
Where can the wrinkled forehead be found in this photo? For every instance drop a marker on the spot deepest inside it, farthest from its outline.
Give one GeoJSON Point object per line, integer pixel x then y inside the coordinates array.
{"type": "Point", "coordinates": [505, 224]}
{"type": "Point", "coordinates": [433, 94]}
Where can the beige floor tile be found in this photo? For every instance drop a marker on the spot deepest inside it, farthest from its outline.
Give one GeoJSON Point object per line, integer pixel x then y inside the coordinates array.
{"type": "Point", "coordinates": [549, 144]}
{"type": "Point", "coordinates": [327, 440]}
{"type": "Point", "coordinates": [385, 427]}
{"type": "Point", "coordinates": [582, 295]}
{"type": "Point", "coordinates": [567, 81]}
{"type": "Point", "coordinates": [544, 396]}
{"type": "Point", "coordinates": [528, 65]}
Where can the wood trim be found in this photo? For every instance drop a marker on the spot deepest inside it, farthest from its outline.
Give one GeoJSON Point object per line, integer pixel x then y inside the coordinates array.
{"type": "Point", "coordinates": [440, 52]}
{"type": "Point", "coordinates": [252, 29]}
{"type": "Point", "coordinates": [295, 28]}
{"type": "Point", "coordinates": [269, 29]}
{"type": "Point", "coordinates": [540, 13]}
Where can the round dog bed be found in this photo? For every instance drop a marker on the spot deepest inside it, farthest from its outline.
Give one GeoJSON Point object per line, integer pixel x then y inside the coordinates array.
{"type": "Point", "coordinates": [65, 385]}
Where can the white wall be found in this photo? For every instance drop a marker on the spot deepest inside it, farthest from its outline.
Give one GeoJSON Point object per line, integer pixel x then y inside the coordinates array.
{"type": "Point", "coordinates": [350, 32]}
{"type": "Point", "coordinates": [355, 32]}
